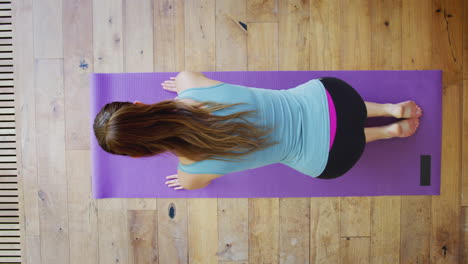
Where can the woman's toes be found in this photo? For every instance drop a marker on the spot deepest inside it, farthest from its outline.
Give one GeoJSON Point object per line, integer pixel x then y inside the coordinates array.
{"type": "Point", "coordinates": [418, 111]}
{"type": "Point", "coordinates": [413, 124]}
{"type": "Point", "coordinates": [406, 128]}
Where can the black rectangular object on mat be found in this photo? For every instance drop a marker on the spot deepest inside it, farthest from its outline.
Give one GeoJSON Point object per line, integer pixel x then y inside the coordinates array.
{"type": "Point", "coordinates": [425, 167]}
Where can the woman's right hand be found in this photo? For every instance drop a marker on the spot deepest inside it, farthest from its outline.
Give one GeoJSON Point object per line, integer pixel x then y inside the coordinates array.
{"type": "Point", "coordinates": [169, 85]}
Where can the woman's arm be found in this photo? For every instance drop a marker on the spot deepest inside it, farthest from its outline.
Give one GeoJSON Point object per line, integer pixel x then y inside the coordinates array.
{"type": "Point", "coordinates": [190, 79]}
{"type": "Point", "coordinates": [186, 80]}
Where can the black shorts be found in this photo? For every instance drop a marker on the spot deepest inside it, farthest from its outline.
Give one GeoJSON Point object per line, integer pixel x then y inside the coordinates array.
{"type": "Point", "coordinates": [350, 140]}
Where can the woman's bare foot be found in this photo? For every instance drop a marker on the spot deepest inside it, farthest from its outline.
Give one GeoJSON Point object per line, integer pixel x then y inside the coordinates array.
{"type": "Point", "coordinates": [406, 109]}
{"type": "Point", "coordinates": [404, 128]}
{"type": "Point", "coordinates": [169, 85]}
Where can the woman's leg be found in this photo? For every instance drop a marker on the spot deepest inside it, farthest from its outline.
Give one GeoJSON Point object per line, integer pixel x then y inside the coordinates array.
{"type": "Point", "coordinates": [375, 109]}
{"type": "Point", "coordinates": [405, 109]}
{"type": "Point", "coordinates": [404, 128]}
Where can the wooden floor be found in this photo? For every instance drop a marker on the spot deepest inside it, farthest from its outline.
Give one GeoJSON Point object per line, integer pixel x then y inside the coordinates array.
{"type": "Point", "coordinates": [57, 44]}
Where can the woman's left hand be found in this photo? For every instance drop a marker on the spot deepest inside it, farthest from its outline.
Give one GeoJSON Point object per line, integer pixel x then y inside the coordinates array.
{"type": "Point", "coordinates": [169, 85]}
{"type": "Point", "coordinates": [174, 183]}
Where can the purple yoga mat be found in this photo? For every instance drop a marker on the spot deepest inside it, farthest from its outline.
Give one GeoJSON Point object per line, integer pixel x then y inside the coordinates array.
{"type": "Point", "coordinates": [387, 167]}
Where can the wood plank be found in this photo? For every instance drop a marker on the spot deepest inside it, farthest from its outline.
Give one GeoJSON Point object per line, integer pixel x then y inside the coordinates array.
{"type": "Point", "coordinates": [82, 208]}
{"type": "Point", "coordinates": [138, 48]}
{"type": "Point", "coordinates": [107, 28]}
{"type": "Point", "coordinates": [7, 158]}
{"type": "Point", "coordinates": [9, 97]}
{"type": "Point", "coordinates": [416, 55]}
{"type": "Point", "coordinates": [6, 34]}
{"type": "Point", "coordinates": [263, 230]}
{"type": "Point", "coordinates": [231, 39]}
{"type": "Point", "coordinates": [7, 111]}
{"type": "Point", "coordinates": [6, 75]}
{"type": "Point", "coordinates": [8, 186]}
{"type": "Point", "coordinates": [5, 20]}
{"type": "Point", "coordinates": [143, 230]}
{"type": "Point", "coordinates": [200, 56]}
{"type": "Point", "coordinates": [464, 150]}
{"type": "Point", "coordinates": [415, 229]}
{"type": "Point", "coordinates": [7, 118]}
{"type": "Point", "coordinates": [6, 68]}
{"type": "Point", "coordinates": [294, 232]}
{"type": "Point", "coordinates": [9, 240]}
{"type": "Point", "coordinates": [9, 199]}
{"type": "Point", "coordinates": [446, 55]}
{"type": "Point", "coordinates": [262, 10]}
{"type": "Point", "coordinates": [9, 219]}
{"type": "Point", "coordinates": [355, 250]}
{"type": "Point", "coordinates": [53, 214]}
{"type": "Point", "coordinates": [6, 47]}
{"type": "Point", "coordinates": [78, 54]}
{"type": "Point", "coordinates": [9, 226]}
{"type": "Point", "coordinates": [293, 54]}
{"type": "Point", "coordinates": [109, 57]}
{"type": "Point", "coordinates": [9, 124]}
{"type": "Point", "coordinates": [9, 253]}
{"type": "Point", "coordinates": [4, 173]}
{"type": "Point", "coordinates": [355, 216]}
{"type": "Point", "coordinates": [4, 13]}
{"type": "Point", "coordinates": [11, 259]}
{"type": "Point", "coordinates": [5, 27]}
{"type": "Point", "coordinates": [7, 151]}
{"type": "Point", "coordinates": [231, 55]}
{"type": "Point", "coordinates": [202, 230]}
{"type": "Point", "coordinates": [262, 46]}
{"type": "Point", "coordinates": [4, 55]}
{"type": "Point", "coordinates": [465, 42]}
{"type": "Point", "coordinates": [169, 35]}
{"type": "Point", "coordinates": [138, 53]}
{"type": "Point", "coordinates": [9, 233]}
{"type": "Point", "coordinates": [172, 232]}
{"type": "Point", "coordinates": [464, 190]}
{"type": "Point", "coordinates": [325, 230]}
{"type": "Point", "coordinates": [8, 138]}
{"type": "Point", "coordinates": [48, 29]}
{"type": "Point", "coordinates": [200, 33]}
{"type": "Point", "coordinates": [355, 55]}
{"type": "Point", "coordinates": [9, 206]}
{"type": "Point", "coordinates": [51, 161]}
{"type": "Point", "coordinates": [464, 235]}
{"type": "Point", "coordinates": [22, 13]}
{"type": "Point", "coordinates": [7, 90]}
{"type": "Point", "coordinates": [386, 44]}
{"type": "Point", "coordinates": [16, 246]}
{"type": "Point", "coordinates": [8, 193]}
{"type": "Point", "coordinates": [6, 62]}
{"type": "Point", "coordinates": [325, 55]}
{"type": "Point", "coordinates": [356, 33]}
{"type": "Point", "coordinates": [233, 230]}
{"type": "Point", "coordinates": [8, 166]}
{"type": "Point", "coordinates": [6, 5]}
{"type": "Point", "coordinates": [294, 49]}
{"type": "Point", "coordinates": [113, 243]}
{"type": "Point", "coordinates": [324, 35]}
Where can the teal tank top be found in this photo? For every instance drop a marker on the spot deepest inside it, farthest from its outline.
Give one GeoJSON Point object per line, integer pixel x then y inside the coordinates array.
{"type": "Point", "coordinates": [299, 116]}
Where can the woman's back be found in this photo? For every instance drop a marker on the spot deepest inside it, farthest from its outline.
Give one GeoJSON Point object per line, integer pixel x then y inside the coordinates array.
{"type": "Point", "coordinates": [298, 115]}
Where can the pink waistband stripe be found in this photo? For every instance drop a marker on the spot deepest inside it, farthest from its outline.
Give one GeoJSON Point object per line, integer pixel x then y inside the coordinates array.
{"type": "Point", "coordinates": [332, 111]}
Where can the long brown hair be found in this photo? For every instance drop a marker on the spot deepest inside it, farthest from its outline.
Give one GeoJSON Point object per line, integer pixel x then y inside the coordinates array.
{"type": "Point", "coordinates": [191, 131]}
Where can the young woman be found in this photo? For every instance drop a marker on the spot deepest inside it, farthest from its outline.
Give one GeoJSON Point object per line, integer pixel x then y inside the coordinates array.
{"type": "Point", "coordinates": [217, 128]}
